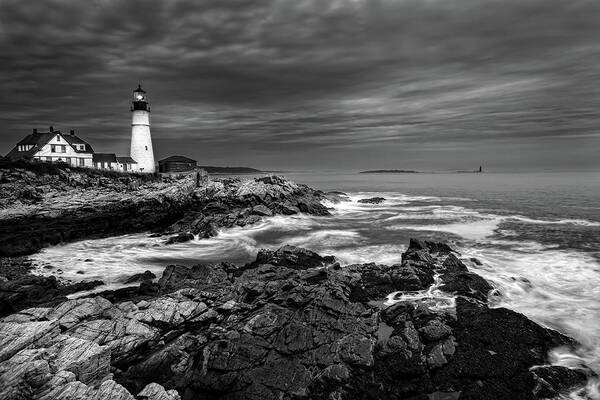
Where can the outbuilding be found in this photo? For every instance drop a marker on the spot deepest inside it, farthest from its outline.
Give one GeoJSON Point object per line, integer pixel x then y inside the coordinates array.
{"type": "Point", "coordinates": [176, 164]}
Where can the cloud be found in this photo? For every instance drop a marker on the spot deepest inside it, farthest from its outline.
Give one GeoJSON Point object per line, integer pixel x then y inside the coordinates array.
{"type": "Point", "coordinates": [324, 80]}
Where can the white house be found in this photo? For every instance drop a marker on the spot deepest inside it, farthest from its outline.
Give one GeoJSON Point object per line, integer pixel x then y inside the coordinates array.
{"type": "Point", "coordinates": [105, 161]}
{"type": "Point", "coordinates": [127, 164]}
{"type": "Point", "coordinates": [54, 146]}
{"type": "Point", "coordinates": [111, 161]}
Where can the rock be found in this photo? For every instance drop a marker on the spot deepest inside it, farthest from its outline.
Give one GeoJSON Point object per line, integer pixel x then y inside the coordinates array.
{"type": "Point", "coordinates": [476, 261]}
{"type": "Point", "coordinates": [453, 265]}
{"type": "Point", "coordinates": [552, 380]}
{"type": "Point", "coordinates": [435, 330]}
{"type": "Point", "coordinates": [262, 210]}
{"type": "Point", "coordinates": [292, 257]}
{"type": "Point", "coordinates": [429, 246]}
{"type": "Point", "coordinates": [178, 276]}
{"type": "Point", "coordinates": [466, 284]}
{"type": "Point", "coordinates": [288, 325]}
{"type": "Point", "coordinates": [372, 200]}
{"type": "Point", "coordinates": [154, 391]}
{"type": "Point", "coordinates": [145, 276]}
{"type": "Point", "coordinates": [72, 312]}
{"type": "Point", "coordinates": [497, 345]}
{"type": "Point", "coordinates": [180, 238]}
{"type": "Point", "coordinates": [88, 361]}
{"type": "Point", "coordinates": [16, 336]}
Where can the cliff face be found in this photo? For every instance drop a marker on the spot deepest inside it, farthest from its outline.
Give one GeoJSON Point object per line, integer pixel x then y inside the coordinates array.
{"type": "Point", "coordinates": [41, 208]}
{"type": "Point", "coordinates": [47, 205]}
{"type": "Point", "coordinates": [291, 325]}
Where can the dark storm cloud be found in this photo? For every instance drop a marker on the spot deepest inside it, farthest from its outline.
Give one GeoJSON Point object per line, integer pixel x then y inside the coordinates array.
{"type": "Point", "coordinates": [333, 83]}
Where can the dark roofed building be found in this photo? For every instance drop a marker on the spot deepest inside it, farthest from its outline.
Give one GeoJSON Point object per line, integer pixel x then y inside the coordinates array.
{"type": "Point", "coordinates": [78, 144]}
{"type": "Point", "coordinates": [176, 164]}
{"type": "Point", "coordinates": [30, 145]}
{"type": "Point", "coordinates": [105, 161]}
{"type": "Point", "coordinates": [126, 164]}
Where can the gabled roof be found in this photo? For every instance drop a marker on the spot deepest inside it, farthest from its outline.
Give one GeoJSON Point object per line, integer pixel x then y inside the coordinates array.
{"type": "Point", "coordinates": [37, 140]}
{"type": "Point", "coordinates": [104, 157]}
{"type": "Point", "coordinates": [40, 139]}
{"type": "Point", "coordinates": [126, 160]}
{"type": "Point", "coordinates": [177, 159]}
{"type": "Point", "coordinates": [73, 140]}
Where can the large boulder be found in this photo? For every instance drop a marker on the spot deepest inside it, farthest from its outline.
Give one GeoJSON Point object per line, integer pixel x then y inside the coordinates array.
{"type": "Point", "coordinates": [292, 257]}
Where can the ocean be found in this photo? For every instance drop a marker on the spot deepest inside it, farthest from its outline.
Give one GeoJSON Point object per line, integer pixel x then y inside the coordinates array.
{"type": "Point", "coordinates": [537, 236]}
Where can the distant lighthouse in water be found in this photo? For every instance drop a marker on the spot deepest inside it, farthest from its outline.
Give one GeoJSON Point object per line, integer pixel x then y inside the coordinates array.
{"type": "Point", "coordinates": [141, 141]}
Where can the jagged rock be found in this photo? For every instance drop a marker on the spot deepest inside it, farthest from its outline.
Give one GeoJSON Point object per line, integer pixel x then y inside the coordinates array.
{"type": "Point", "coordinates": [280, 329]}
{"type": "Point", "coordinates": [72, 312]}
{"type": "Point", "coordinates": [146, 275]}
{"type": "Point", "coordinates": [262, 210]}
{"type": "Point", "coordinates": [435, 330]}
{"type": "Point", "coordinates": [88, 361]}
{"type": "Point", "coordinates": [429, 246]}
{"type": "Point", "coordinates": [552, 380]}
{"type": "Point", "coordinates": [292, 257]}
{"type": "Point", "coordinates": [466, 284]}
{"type": "Point", "coordinates": [15, 336]}
{"type": "Point", "coordinates": [112, 204]}
{"type": "Point", "coordinates": [154, 391]}
{"type": "Point", "coordinates": [33, 290]}
{"type": "Point", "coordinates": [178, 276]}
{"type": "Point", "coordinates": [453, 265]}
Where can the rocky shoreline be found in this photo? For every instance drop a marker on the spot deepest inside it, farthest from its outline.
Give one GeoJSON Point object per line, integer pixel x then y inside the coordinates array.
{"type": "Point", "coordinates": [292, 325]}
{"type": "Point", "coordinates": [46, 206]}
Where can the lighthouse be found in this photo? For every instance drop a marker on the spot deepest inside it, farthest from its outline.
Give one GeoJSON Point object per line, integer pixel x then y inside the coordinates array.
{"type": "Point", "coordinates": [141, 141]}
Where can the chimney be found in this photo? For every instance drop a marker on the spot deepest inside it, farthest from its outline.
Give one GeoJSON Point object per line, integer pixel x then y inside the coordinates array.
{"type": "Point", "coordinates": [72, 132]}
{"type": "Point", "coordinates": [34, 130]}
{"type": "Point", "coordinates": [51, 128]}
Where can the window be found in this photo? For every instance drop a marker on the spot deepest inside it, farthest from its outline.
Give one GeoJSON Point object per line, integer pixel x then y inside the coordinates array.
{"type": "Point", "coordinates": [49, 159]}
{"type": "Point", "coordinates": [146, 148]}
{"type": "Point", "coordinates": [53, 148]}
{"type": "Point", "coordinates": [81, 162]}
{"type": "Point", "coordinates": [63, 149]}
{"type": "Point", "coordinates": [58, 138]}
{"type": "Point", "coordinates": [102, 165]}
{"type": "Point", "coordinates": [68, 160]}
{"type": "Point", "coordinates": [81, 146]}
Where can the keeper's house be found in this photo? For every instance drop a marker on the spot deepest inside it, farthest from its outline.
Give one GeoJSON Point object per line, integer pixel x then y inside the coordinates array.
{"type": "Point", "coordinates": [54, 146]}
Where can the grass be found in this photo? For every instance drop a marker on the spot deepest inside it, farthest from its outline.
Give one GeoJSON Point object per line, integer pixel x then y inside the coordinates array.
{"type": "Point", "coordinates": [46, 168]}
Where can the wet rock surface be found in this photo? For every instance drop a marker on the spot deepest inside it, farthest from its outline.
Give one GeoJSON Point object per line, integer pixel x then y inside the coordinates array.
{"type": "Point", "coordinates": [290, 325]}
{"type": "Point", "coordinates": [46, 204]}
{"type": "Point", "coordinates": [372, 200]}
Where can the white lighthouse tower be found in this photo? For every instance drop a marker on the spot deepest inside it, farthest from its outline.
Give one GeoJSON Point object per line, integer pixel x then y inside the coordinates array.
{"type": "Point", "coordinates": [141, 141]}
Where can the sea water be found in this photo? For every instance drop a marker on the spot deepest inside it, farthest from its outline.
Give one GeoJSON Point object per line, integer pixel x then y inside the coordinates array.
{"type": "Point", "coordinates": [537, 236]}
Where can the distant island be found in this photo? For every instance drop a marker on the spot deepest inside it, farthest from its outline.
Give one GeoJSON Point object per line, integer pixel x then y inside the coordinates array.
{"type": "Point", "coordinates": [390, 171]}
{"type": "Point", "coordinates": [410, 171]}
{"type": "Point", "coordinates": [230, 170]}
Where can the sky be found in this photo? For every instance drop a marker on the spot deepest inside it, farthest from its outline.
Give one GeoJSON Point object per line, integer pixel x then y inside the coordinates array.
{"type": "Point", "coordinates": [313, 84]}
